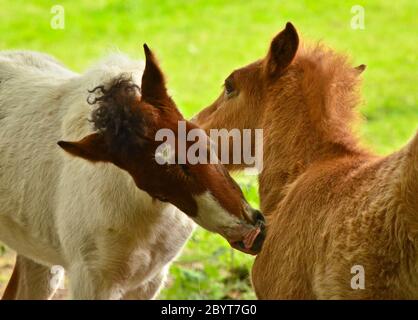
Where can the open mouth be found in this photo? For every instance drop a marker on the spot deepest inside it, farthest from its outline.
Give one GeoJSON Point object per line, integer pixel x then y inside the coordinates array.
{"type": "Point", "coordinates": [252, 242]}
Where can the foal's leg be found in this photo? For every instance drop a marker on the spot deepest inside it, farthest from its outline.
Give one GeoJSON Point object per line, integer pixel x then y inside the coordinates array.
{"type": "Point", "coordinates": [89, 283]}
{"type": "Point", "coordinates": [29, 281]}
{"type": "Point", "coordinates": [148, 290]}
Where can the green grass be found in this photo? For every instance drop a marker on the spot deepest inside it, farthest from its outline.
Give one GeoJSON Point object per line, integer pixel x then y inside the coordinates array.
{"type": "Point", "coordinates": [199, 42]}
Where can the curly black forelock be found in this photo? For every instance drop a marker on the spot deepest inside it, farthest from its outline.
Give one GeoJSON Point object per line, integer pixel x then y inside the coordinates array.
{"type": "Point", "coordinates": [114, 116]}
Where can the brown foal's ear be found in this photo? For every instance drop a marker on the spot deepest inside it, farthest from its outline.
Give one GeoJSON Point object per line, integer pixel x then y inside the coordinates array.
{"type": "Point", "coordinates": [153, 87]}
{"type": "Point", "coordinates": [92, 147]}
{"type": "Point", "coordinates": [283, 49]}
{"type": "Point", "coordinates": [360, 68]}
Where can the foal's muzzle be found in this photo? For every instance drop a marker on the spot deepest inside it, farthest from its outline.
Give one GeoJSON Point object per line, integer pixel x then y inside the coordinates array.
{"type": "Point", "coordinates": [254, 239]}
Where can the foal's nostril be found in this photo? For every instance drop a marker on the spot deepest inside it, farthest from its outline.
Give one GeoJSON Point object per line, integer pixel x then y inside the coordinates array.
{"type": "Point", "coordinates": [258, 216]}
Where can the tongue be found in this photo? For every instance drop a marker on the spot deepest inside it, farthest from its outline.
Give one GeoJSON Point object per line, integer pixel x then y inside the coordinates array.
{"type": "Point", "coordinates": [250, 237]}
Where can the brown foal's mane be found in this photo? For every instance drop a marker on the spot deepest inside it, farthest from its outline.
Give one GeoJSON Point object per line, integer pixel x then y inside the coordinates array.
{"type": "Point", "coordinates": [328, 86]}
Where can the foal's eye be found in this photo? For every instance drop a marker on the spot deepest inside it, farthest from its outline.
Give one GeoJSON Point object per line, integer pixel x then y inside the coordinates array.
{"type": "Point", "coordinates": [161, 198]}
{"type": "Point", "coordinates": [185, 169]}
{"type": "Point", "coordinates": [229, 88]}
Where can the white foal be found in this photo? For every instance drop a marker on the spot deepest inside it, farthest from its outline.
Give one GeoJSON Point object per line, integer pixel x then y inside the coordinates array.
{"type": "Point", "coordinates": [100, 219]}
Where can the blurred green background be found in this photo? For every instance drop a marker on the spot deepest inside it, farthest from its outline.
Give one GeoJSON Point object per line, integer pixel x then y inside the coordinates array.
{"type": "Point", "coordinates": [199, 42]}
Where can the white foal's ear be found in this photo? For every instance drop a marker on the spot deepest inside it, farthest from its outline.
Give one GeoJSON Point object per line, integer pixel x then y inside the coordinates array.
{"type": "Point", "coordinates": [153, 87]}
{"type": "Point", "coordinates": [92, 147]}
{"type": "Point", "coordinates": [283, 49]}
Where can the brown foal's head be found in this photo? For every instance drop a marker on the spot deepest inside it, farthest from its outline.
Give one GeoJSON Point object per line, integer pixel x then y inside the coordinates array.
{"type": "Point", "coordinates": [240, 104]}
{"type": "Point", "coordinates": [289, 87]}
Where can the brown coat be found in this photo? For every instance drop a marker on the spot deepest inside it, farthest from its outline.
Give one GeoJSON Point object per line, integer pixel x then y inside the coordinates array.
{"type": "Point", "coordinates": [330, 204]}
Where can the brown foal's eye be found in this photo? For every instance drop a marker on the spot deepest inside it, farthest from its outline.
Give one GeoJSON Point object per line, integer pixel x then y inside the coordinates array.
{"type": "Point", "coordinates": [229, 87]}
